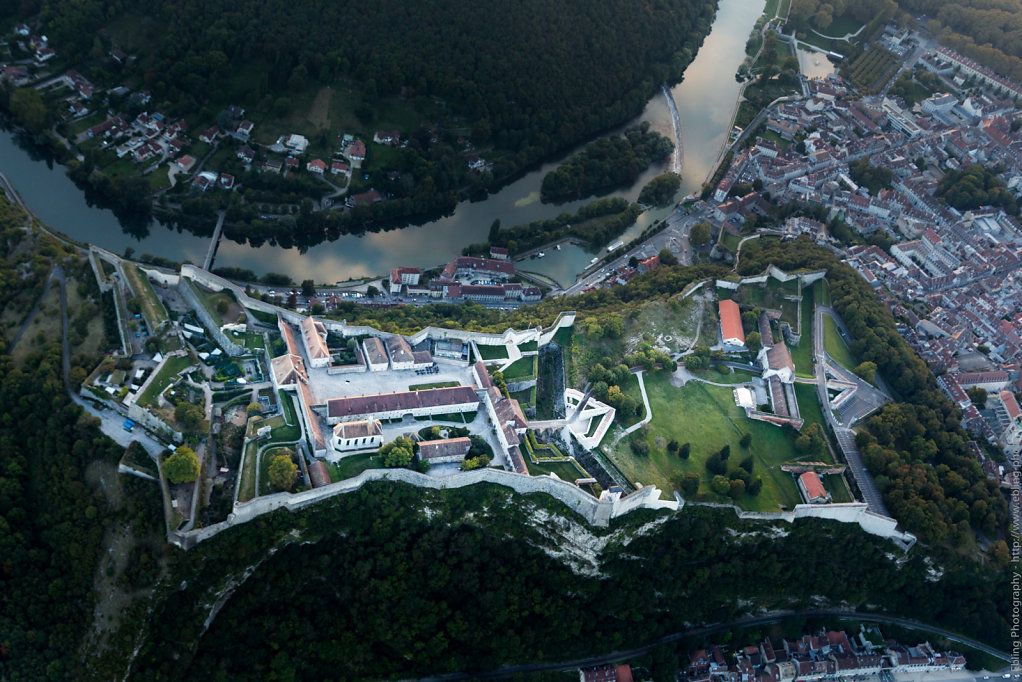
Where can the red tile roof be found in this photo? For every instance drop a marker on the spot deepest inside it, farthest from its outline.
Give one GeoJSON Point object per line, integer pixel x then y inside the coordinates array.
{"type": "Point", "coordinates": [1011, 405]}
{"type": "Point", "coordinates": [813, 485]}
{"type": "Point", "coordinates": [730, 320]}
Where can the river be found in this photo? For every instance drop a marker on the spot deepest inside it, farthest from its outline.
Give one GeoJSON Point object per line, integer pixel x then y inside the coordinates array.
{"type": "Point", "coordinates": [705, 102]}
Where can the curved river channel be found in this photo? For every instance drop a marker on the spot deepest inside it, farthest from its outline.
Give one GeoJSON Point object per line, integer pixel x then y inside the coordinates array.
{"type": "Point", "coordinates": [705, 102]}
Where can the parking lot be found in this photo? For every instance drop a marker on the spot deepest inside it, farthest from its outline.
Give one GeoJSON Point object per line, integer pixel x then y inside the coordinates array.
{"type": "Point", "coordinates": [325, 386]}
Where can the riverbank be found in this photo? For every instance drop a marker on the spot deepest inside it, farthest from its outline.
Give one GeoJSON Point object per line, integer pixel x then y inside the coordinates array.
{"type": "Point", "coordinates": [704, 100]}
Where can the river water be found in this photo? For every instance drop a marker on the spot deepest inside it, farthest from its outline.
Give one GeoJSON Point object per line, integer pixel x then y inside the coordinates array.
{"type": "Point", "coordinates": [705, 101]}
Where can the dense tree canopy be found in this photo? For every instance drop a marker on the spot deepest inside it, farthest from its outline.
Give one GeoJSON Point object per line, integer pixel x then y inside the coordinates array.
{"type": "Point", "coordinates": [606, 163]}
{"type": "Point", "coordinates": [976, 186]}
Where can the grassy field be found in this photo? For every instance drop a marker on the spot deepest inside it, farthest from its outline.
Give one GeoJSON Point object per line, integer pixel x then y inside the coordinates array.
{"type": "Point", "coordinates": [707, 418]}
{"type": "Point", "coordinates": [492, 352]}
{"type": "Point", "coordinates": [802, 354]}
{"type": "Point", "coordinates": [349, 467]}
{"type": "Point", "coordinates": [212, 299]}
{"type": "Point", "coordinates": [808, 404]}
{"type": "Point", "coordinates": [528, 346]}
{"type": "Point", "coordinates": [524, 368]}
{"type": "Point", "coordinates": [631, 389]}
{"type": "Point", "coordinates": [835, 485]}
{"type": "Point", "coordinates": [171, 368]}
{"type": "Point", "coordinates": [526, 398]}
{"type": "Point", "coordinates": [152, 307]}
{"type": "Point", "coordinates": [835, 345]}
{"type": "Point", "coordinates": [247, 477]}
{"type": "Point", "coordinates": [566, 470]}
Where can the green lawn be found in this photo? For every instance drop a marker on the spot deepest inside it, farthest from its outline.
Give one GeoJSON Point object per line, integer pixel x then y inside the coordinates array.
{"type": "Point", "coordinates": [492, 352]}
{"type": "Point", "coordinates": [835, 345]}
{"type": "Point", "coordinates": [289, 407]}
{"type": "Point", "coordinates": [566, 470]}
{"type": "Point", "coordinates": [808, 405]}
{"type": "Point", "coordinates": [835, 485]}
{"type": "Point", "coordinates": [529, 346]}
{"type": "Point", "coordinates": [247, 478]}
{"type": "Point", "coordinates": [152, 307]}
{"type": "Point", "coordinates": [349, 467]}
{"type": "Point", "coordinates": [735, 376]}
{"type": "Point", "coordinates": [437, 384]}
{"type": "Point", "coordinates": [802, 354]}
{"type": "Point", "coordinates": [526, 398]}
{"type": "Point", "coordinates": [707, 418]}
{"type": "Point", "coordinates": [210, 300]}
{"type": "Point", "coordinates": [166, 376]}
{"type": "Point", "coordinates": [524, 368]}
{"type": "Point", "coordinates": [159, 179]}
{"type": "Point", "coordinates": [254, 341]}
{"type": "Point", "coordinates": [821, 291]}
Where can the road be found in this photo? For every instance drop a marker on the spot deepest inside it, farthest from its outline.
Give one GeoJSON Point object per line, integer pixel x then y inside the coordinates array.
{"type": "Point", "coordinates": [674, 237]}
{"type": "Point", "coordinates": [845, 436]}
{"type": "Point", "coordinates": [618, 656]}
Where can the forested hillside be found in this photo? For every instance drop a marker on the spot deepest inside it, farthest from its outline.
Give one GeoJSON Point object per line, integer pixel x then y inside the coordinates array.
{"type": "Point", "coordinates": [375, 588]}
{"type": "Point", "coordinates": [532, 75]}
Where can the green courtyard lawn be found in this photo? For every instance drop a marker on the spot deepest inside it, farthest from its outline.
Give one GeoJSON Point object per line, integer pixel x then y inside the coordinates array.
{"type": "Point", "coordinates": [524, 368]}
{"type": "Point", "coordinates": [734, 376]}
{"type": "Point", "coordinates": [566, 470]}
{"type": "Point", "coordinates": [168, 373]}
{"type": "Point", "coordinates": [835, 345]}
{"type": "Point", "coordinates": [435, 384]}
{"type": "Point", "coordinates": [526, 398]}
{"type": "Point", "coordinates": [487, 352]}
{"type": "Point", "coordinates": [352, 466]}
{"type": "Point", "coordinates": [808, 405]}
{"type": "Point", "coordinates": [528, 346]}
{"type": "Point", "coordinates": [835, 485]}
{"type": "Point", "coordinates": [289, 407]}
{"type": "Point", "coordinates": [707, 418]}
{"type": "Point", "coordinates": [152, 307]}
{"type": "Point", "coordinates": [247, 477]}
{"type": "Point", "coordinates": [802, 354]}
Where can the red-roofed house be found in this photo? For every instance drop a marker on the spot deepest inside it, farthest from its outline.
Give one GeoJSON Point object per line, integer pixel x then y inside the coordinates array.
{"type": "Point", "coordinates": [811, 487]}
{"type": "Point", "coordinates": [316, 166]}
{"type": "Point", "coordinates": [209, 134]}
{"type": "Point", "coordinates": [731, 324]}
{"type": "Point", "coordinates": [356, 153]}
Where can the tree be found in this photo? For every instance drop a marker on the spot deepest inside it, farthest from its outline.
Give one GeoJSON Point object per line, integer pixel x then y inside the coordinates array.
{"type": "Point", "coordinates": [746, 441]}
{"type": "Point", "coordinates": [737, 487]}
{"type": "Point", "coordinates": [640, 447]}
{"type": "Point", "coordinates": [398, 453]}
{"type": "Point", "coordinates": [182, 466]}
{"type": "Point", "coordinates": [747, 464]}
{"type": "Point", "coordinates": [308, 288]}
{"type": "Point", "coordinates": [699, 234]}
{"type": "Point", "coordinates": [725, 452]}
{"type": "Point", "coordinates": [254, 408]}
{"type": "Point", "coordinates": [978, 395]}
{"type": "Point", "coordinates": [667, 257]}
{"type": "Point", "coordinates": [672, 446]}
{"type": "Point", "coordinates": [283, 471]}
{"type": "Point", "coordinates": [372, 291]}
{"type": "Point", "coordinates": [29, 110]}
{"type": "Point", "coordinates": [866, 371]}
{"type": "Point", "coordinates": [715, 465]}
{"type": "Point", "coordinates": [720, 485]}
{"type": "Point", "coordinates": [683, 452]}
{"type": "Point", "coordinates": [191, 416]}
{"type": "Point", "coordinates": [753, 342]}
{"type": "Point", "coordinates": [755, 486]}
{"type": "Point", "coordinates": [690, 484]}
{"type": "Point", "coordinates": [222, 307]}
